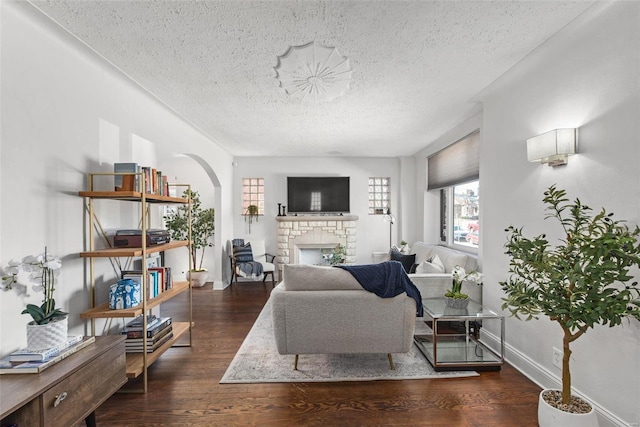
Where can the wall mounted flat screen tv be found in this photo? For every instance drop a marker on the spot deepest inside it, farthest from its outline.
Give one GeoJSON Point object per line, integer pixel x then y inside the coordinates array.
{"type": "Point", "coordinates": [317, 194]}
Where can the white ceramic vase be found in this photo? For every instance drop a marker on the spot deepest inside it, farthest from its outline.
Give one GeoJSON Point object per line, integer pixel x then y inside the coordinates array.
{"type": "Point", "coordinates": [548, 416]}
{"type": "Point", "coordinates": [49, 335]}
{"type": "Point", "coordinates": [198, 278]}
{"type": "Point", "coordinates": [458, 303]}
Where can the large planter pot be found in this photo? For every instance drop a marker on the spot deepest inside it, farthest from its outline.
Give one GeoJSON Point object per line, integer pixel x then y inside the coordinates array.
{"type": "Point", "coordinates": [548, 416]}
{"type": "Point", "coordinates": [198, 278]}
{"type": "Point", "coordinates": [48, 335]}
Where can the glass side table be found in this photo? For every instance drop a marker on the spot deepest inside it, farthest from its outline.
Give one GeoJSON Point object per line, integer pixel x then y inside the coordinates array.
{"type": "Point", "coordinates": [450, 338]}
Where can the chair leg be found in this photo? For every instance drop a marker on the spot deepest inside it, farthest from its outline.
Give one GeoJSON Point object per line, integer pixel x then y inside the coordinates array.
{"type": "Point", "coordinates": [393, 368]}
{"type": "Point", "coordinates": [295, 363]}
{"type": "Point", "coordinates": [273, 280]}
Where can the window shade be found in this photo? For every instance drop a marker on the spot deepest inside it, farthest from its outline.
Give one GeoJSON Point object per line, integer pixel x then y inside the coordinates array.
{"type": "Point", "coordinates": [455, 164]}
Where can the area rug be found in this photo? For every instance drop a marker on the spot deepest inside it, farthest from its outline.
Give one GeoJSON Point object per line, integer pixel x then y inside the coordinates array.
{"type": "Point", "coordinates": [258, 361]}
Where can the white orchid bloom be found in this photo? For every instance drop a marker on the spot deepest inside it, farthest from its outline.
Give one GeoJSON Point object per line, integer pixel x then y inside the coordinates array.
{"type": "Point", "coordinates": [53, 264]}
{"type": "Point", "coordinates": [458, 273]}
{"type": "Point", "coordinates": [474, 277]}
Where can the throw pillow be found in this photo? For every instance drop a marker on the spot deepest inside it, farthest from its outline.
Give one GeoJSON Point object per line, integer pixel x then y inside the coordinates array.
{"type": "Point", "coordinates": [243, 253]}
{"type": "Point", "coordinates": [431, 265]}
{"type": "Point", "coordinates": [406, 260]}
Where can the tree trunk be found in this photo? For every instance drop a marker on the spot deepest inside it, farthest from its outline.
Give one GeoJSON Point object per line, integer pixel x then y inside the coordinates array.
{"type": "Point", "coordinates": [566, 374]}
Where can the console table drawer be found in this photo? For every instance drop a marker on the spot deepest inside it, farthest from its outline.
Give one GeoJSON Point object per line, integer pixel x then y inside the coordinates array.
{"type": "Point", "coordinates": [75, 397]}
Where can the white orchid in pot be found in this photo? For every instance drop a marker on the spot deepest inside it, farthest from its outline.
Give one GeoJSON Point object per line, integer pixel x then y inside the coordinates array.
{"type": "Point", "coordinates": [454, 296]}
{"type": "Point", "coordinates": [40, 272]}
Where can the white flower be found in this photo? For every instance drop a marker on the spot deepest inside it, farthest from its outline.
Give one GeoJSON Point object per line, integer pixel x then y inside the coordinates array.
{"type": "Point", "coordinates": [53, 264]}
{"type": "Point", "coordinates": [40, 272]}
{"type": "Point", "coordinates": [474, 277]}
{"type": "Point", "coordinates": [458, 273]}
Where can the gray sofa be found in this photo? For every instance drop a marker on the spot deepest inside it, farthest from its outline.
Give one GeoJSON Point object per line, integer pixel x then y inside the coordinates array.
{"type": "Point", "coordinates": [324, 310]}
{"type": "Point", "coordinates": [432, 285]}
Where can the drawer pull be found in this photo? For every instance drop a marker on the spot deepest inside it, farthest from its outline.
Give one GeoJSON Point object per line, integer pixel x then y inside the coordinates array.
{"type": "Point", "coordinates": [59, 398]}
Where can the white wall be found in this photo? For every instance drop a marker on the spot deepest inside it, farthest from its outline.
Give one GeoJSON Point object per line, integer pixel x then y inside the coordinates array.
{"type": "Point", "coordinates": [587, 76]}
{"type": "Point", "coordinates": [65, 113]}
{"type": "Point", "coordinates": [373, 233]}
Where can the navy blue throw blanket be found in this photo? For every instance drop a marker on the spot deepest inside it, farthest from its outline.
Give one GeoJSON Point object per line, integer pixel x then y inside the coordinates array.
{"type": "Point", "coordinates": [386, 279]}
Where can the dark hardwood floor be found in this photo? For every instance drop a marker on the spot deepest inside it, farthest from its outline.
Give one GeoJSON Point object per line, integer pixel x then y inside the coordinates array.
{"type": "Point", "coordinates": [183, 388]}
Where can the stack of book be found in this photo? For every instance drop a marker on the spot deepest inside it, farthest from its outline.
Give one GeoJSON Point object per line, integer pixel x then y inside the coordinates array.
{"type": "Point", "coordinates": [158, 279]}
{"type": "Point", "coordinates": [154, 181]}
{"type": "Point", "coordinates": [33, 361]}
{"type": "Point", "coordinates": [159, 331]}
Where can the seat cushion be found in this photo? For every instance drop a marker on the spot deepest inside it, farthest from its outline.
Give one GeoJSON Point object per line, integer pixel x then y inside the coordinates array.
{"type": "Point", "coordinates": [268, 267]}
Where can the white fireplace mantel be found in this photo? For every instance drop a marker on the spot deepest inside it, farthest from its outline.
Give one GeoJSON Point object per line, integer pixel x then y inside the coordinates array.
{"type": "Point", "coordinates": [300, 232]}
{"type": "Point", "coordinates": [289, 218]}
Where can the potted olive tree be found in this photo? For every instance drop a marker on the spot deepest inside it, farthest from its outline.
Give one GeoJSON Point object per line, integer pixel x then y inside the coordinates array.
{"type": "Point", "coordinates": [581, 281]}
{"type": "Point", "coordinates": [202, 229]}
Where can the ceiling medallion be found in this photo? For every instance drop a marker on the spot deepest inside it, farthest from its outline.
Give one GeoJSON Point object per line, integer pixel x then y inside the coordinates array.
{"type": "Point", "coordinates": [313, 72]}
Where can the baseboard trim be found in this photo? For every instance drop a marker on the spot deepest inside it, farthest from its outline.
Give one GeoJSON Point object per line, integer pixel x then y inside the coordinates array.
{"type": "Point", "coordinates": [547, 379]}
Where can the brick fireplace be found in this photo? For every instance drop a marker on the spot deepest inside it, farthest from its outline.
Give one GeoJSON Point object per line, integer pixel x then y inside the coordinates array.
{"type": "Point", "coordinates": [299, 233]}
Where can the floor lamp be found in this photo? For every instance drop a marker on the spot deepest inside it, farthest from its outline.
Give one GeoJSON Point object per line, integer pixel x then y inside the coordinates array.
{"type": "Point", "coordinates": [390, 219]}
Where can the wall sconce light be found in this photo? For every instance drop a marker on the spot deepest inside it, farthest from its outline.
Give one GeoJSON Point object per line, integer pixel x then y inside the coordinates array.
{"type": "Point", "coordinates": [553, 147]}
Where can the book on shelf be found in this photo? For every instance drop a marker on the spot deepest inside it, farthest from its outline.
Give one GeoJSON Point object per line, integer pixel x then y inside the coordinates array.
{"type": "Point", "coordinates": [168, 278]}
{"type": "Point", "coordinates": [128, 179]}
{"type": "Point", "coordinates": [35, 367]}
{"type": "Point", "coordinates": [136, 276]}
{"type": "Point", "coordinates": [150, 348]}
{"type": "Point", "coordinates": [153, 329]}
{"type": "Point", "coordinates": [137, 342]}
{"type": "Point", "coordinates": [136, 324]}
{"type": "Point", "coordinates": [36, 355]}
{"type": "Point", "coordinates": [157, 280]}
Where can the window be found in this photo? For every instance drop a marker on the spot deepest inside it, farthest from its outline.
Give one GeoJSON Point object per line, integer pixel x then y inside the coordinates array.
{"type": "Point", "coordinates": [459, 206]}
{"type": "Point", "coordinates": [465, 214]}
{"type": "Point", "coordinates": [379, 190]}
{"type": "Point", "coordinates": [455, 172]}
{"type": "Point", "coordinates": [253, 194]}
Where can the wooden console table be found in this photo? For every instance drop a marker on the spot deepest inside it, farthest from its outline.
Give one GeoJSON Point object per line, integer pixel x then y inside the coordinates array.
{"type": "Point", "coordinates": [68, 392]}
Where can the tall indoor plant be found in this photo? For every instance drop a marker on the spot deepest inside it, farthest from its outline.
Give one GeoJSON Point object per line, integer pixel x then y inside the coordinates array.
{"type": "Point", "coordinates": [582, 281]}
{"type": "Point", "coordinates": [202, 228]}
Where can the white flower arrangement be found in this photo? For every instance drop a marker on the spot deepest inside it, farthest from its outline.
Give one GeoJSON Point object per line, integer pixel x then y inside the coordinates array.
{"type": "Point", "coordinates": [40, 272]}
{"type": "Point", "coordinates": [459, 275]}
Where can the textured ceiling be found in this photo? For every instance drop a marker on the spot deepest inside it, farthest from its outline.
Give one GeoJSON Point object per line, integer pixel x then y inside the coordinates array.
{"type": "Point", "coordinates": [416, 64]}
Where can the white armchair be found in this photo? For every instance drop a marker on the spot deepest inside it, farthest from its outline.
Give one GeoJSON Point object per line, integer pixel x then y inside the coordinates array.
{"type": "Point", "coordinates": [240, 255]}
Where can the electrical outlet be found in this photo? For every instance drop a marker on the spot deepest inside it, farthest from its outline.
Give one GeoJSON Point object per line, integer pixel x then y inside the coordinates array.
{"type": "Point", "coordinates": [557, 358]}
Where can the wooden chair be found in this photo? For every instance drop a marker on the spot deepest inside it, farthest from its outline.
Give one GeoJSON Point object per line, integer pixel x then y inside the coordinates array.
{"type": "Point", "coordinates": [259, 255]}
